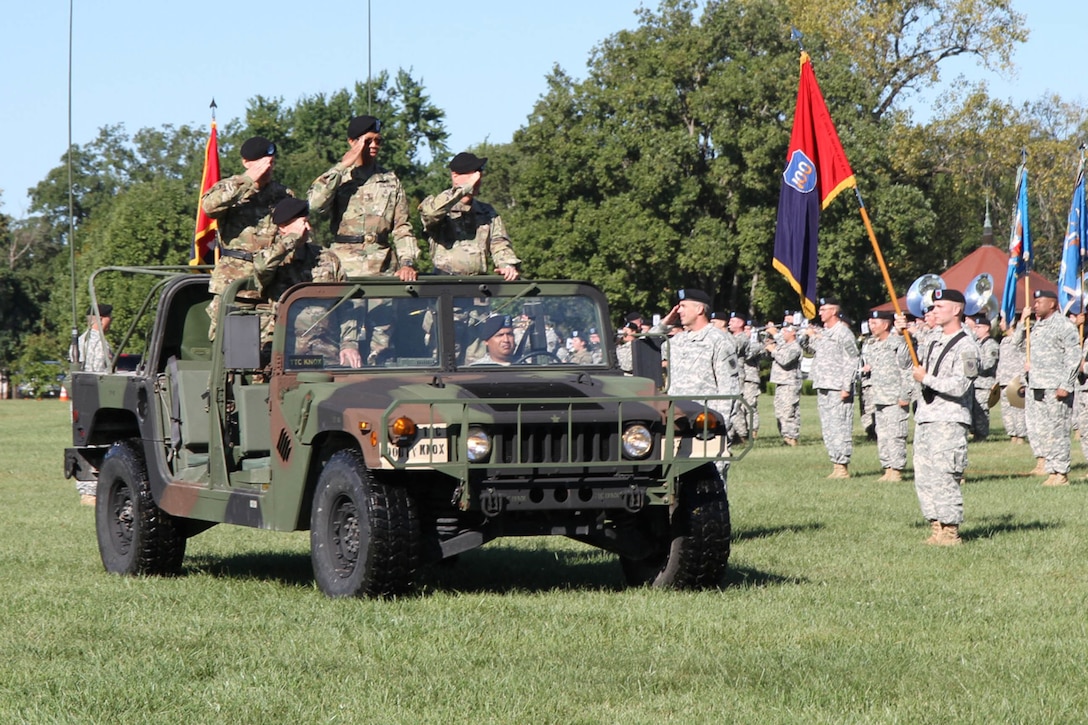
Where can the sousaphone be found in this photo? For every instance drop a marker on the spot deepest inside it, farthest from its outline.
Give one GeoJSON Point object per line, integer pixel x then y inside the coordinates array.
{"type": "Point", "coordinates": [920, 294]}
{"type": "Point", "coordinates": [979, 294]}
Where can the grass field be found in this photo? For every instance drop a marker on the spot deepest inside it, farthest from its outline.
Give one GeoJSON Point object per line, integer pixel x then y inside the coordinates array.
{"type": "Point", "coordinates": [834, 612]}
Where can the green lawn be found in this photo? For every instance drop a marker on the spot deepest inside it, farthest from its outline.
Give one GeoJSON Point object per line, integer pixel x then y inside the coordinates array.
{"type": "Point", "coordinates": [835, 612]}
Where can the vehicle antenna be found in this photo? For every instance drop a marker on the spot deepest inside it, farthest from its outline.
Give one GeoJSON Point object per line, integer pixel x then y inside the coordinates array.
{"type": "Point", "coordinates": [73, 352]}
{"type": "Point", "coordinates": [369, 46]}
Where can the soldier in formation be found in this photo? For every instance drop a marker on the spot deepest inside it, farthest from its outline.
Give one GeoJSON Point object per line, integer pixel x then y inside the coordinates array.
{"type": "Point", "coordinates": [1051, 370]}
{"type": "Point", "coordinates": [947, 369]}
{"type": "Point", "coordinates": [786, 356]}
{"type": "Point", "coordinates": [1010, 368]}
{"type": "Point", "coordinates": [989, 354]}
{"type": "Point", "coordinates": [834, 370]}
{"type": "Point", "coordinates": [464, 233]}
{"type": "Point", "coordinates": [887, 366]}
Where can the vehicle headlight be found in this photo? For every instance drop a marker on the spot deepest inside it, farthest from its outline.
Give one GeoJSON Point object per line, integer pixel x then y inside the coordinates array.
{"type": "Point", "coordinates": [637, 441]}
{"type": "Point", "coordinates": [706, 425]}
{"type": "Point", "coordinates": [479, 444]}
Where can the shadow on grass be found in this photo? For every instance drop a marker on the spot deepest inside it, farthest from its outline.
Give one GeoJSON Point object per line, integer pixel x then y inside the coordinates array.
{"type": "Point", "coordinates": [290, 569]}
{"type": "Point", "coordinates": [765, 532]}
{"type": "Point", "coordinates": [490, 570]}
{"type": "Point", "coordinates": [991, 526]}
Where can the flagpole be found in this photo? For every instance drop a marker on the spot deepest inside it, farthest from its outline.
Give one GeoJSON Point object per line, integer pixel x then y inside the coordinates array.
{"type": "Point", "coordinates": [1027, 264]}
{"type": "Point", "coordinates": [884, 270]}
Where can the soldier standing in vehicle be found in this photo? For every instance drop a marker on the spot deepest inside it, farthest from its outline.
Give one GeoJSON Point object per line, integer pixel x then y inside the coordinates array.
{"type": "Point", "coordinates": [242, 206]}
{"type": "Point", "coordinates": [367, 207]}
{"type": "Point", "coordinates": [949, 364]}
{"type": "Point", "coordinates": [463, 232]}
{"type": "Point", "coordinates": [93, 347]}
{"type": "Point", "coordinates": [834, 369]}
{"type": "Point", "coordinates": [293, 259]}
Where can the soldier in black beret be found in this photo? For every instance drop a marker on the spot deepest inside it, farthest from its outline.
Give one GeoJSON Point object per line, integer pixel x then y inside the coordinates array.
{"type": "Point", "coordinates": [464, 233]}
{"type": "Point", "coordinates": [241, 205]}
{"type": "Point", "coordinates": [367, 208]}
{"type": "Point", "coordinates": [497, 334]}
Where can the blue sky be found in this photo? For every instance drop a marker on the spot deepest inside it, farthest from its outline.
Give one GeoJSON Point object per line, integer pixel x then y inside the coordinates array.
{"type": "Point", "coordinates": [149, 63]}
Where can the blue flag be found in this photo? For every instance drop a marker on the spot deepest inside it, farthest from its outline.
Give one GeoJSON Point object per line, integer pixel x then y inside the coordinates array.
{"type": "Point", "coordinates": [1070, 278]}
{"type": "Point", "coordinates": [1019, 246]}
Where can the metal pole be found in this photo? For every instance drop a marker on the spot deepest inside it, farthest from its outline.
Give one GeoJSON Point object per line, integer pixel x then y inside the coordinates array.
{"type": "Point", "coordinates": [74, 344]}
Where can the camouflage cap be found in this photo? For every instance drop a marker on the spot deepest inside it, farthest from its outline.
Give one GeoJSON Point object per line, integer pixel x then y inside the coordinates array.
{"type": "Point", "coordinates": [257, 148]}
{"type": "Point", "coordinates": [466, 163]}
{"type": "Point", "coordinates": [289, 209]}
{"type": "Point", "coordinates": [363, 124]}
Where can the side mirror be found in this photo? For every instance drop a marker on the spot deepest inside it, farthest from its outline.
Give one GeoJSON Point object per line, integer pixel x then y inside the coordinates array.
{"type": "Point", "coordinates": [646, 359]}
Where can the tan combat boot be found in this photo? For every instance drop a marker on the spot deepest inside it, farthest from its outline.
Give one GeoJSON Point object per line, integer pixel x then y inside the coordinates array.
{"type": "Point", "coordinates": [791, 442]}
{"type": "Point", "coordinates": [934, 532]}
{"type": "Point", "coordinates": [1016, 440]}
{"type": "Point", "coordinates": [949, 535]}
{"type": "Point", "coordinates": [839, 471]}
{"type": "Point", "coordinates": [1040, 467]}
{"type": "Point", "coordinates": [891, 474]}
{"type": "Point", "coordinates": [1057, 479]}
{"type": "Point", "coordinates": [87, 499]}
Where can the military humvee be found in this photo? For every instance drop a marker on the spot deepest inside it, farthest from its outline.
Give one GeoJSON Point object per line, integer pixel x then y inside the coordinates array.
{"type": "Point", "coordinates": [417, 456]}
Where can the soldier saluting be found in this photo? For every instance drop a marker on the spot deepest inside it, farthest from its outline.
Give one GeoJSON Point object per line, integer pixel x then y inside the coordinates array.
{"type": "Point", "coordinates": [368, 208]}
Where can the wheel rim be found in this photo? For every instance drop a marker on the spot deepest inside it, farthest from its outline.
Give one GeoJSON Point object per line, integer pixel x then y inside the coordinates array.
{"type": "Point", "coordinates": [122, 517]}
{"type": "Point", "coordinates": [344, 536]}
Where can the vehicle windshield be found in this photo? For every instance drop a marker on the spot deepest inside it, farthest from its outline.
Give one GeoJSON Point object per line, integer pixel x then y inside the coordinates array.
{"type": "Point", "coordinates": [538, 330]}
{"type": "Point", "coordinates": [406, 332]}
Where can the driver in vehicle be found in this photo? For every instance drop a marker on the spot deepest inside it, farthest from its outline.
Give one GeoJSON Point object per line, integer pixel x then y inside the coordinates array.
{"type": "Point", "coordinates": [497, 334]}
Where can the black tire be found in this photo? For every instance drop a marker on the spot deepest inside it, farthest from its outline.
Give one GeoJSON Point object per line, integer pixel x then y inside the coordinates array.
{"type": "Point", "coordinates": [364, 535]}
{"type": "Point", "coordinates": [690, 551]}
{"type": "Point", "coordinates": [135, 536]}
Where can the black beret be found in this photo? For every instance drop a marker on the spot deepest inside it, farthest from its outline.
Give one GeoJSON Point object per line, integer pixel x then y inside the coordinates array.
{"type": "Point", "coordinates": [696, 295]}
{"type": "Point", "coordinates": [593, 331]}
{"type": "Point", "coordinates": [829, 301]}
{"type": "Point", "coordinates": [632, 316]}
{"type": "Point", "coordinates": [981, 319]}
{"type": "Point", "coordinates": [719, 315]}
{"type": "Point", "coordinates": [1040, 293]}
{"type": "Point", "coordinates": [949, 295]}
{"type": "Point", "coordinates": [882, 315]}
{"type": "Point", "coordinates": [466, 163]}
{"type": "Point", "coordinates": [257, 148]}
{"type": "Point", "coordinates": [493, 324]}
{"type": "Point", "coordinates": [363, 124]}
{"type": "Point", "coordinates": [104, 310]}
{"type": "Point", "coordinates": [289, 209]}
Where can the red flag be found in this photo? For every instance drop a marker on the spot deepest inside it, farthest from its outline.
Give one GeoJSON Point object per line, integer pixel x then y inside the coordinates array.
{"type": "Point", "coordinates": [816, 163]}
{"type": "Point", "coordinates": [204, 237]}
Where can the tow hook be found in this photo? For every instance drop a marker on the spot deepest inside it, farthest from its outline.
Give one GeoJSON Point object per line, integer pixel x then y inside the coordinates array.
{"type": "Point", "coordinates": [634, 500]}
{"type": "Point", "coordinates": [491, 502]}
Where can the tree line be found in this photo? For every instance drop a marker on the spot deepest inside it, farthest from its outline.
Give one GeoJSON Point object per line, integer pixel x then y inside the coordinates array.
{"type": "Point", "coordinates": [658, 170]}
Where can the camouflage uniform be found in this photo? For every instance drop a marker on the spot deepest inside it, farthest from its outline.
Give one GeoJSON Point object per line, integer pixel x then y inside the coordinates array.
{"type": "Point", "coordinates": [704, 362]}
{"type": "Point", "coordinates": [989, 352]}
{"type": "Point", "coordinates": [1055, 359]}
{"type": "Point", "coordinates": [1010, 363]}
{"type": "Point", "coordinates": [1082, 401]}
{"type": "Point", "coordinates": [367, 205]}
{"type": "Point", "coordinates": [834, 367]}
{"type": "Point", "coordinates": [890, 381]}
{"type": "Point", "coordinates": [244, 216]}
{"type": "Point", "coordinates": [750, 386]}
{"type": "Point", "coordinates": [463, 236]}
{"type": "Point", "coordinates": [94, 352]}
{"type": "Point", "coordinates": [743, 342]}
{"type": "Point", "coordinates": [289, 261]}
{"type": "Point", "coordinates": [941, 422]}
{"type": "Point", "coordinates": [625, 357]}
{"type": "Point", "coordinates": [786, 376]}
{"type": "Point", "coordinates": [865, 397]}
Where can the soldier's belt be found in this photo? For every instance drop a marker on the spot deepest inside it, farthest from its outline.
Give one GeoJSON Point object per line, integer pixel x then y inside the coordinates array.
{"type": "Point", "coordinates": [236, 254]}
{"type": "Point", "coordinates": [356, 238]}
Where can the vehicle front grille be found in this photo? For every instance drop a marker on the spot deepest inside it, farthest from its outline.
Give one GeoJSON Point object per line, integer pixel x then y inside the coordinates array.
{"type": "Point", "coordinates": [555, 444]}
